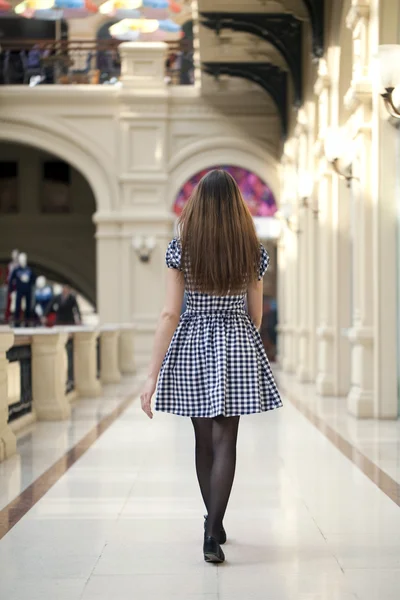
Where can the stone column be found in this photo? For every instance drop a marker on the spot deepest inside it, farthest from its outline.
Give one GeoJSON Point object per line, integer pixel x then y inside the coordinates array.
{"type": "Point", "coordinates": [85, 363]}
{"type": "Point", "coordinates": [385, 192]}
{"type": "Point", "coordinates": [360, 398]}
{"type": "Point", "coordinates": [303, 331]}
{"type": "Point", "coordinates": [8, 442]}
{"type": "Point", "coordinates": [313, 291]}
{"type": "Point", "coordinates": [109, 360]}
{"type": "Point", "coordinates": [359, 103]}
{"type": "Point", "coordinates": [49, 375]}
{"type": "Point", "coordinates": [281, 301]}
{"type": "Point", "coordinates": [127, 349]}
{"type": "Point", "coordinates": [143, 64]}
{"type": "Point", "coordinates": [145, 218]}
{"type": "Point", "coordinates": [325, 330]}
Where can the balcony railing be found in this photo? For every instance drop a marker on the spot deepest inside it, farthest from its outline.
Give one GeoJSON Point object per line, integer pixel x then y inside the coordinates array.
{"type": "Point", "coordinates": [20, 379]}
{"type": "Point", "coordinates": [38, 62]}
{"type": "Point", "coordinates": [69, 348]}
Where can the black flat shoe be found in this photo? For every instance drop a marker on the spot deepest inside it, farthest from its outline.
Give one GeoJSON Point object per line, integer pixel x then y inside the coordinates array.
{"type": "Point", "coordinates": [222, 534]}
{"type": "Point", "coordinates": [212, 551]}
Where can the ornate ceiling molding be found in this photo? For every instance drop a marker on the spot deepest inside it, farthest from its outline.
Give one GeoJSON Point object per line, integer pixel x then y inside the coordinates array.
{"type": "Point", "coordinates": [316, 10]}
{"type": "Point", "coordinates": [270, 77]}
{"type": "Point", "coordinates": [283, 31]}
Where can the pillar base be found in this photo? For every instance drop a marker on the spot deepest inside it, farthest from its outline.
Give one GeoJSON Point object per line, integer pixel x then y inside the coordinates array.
{"type": "Point", "coordinates": [91, 392]}
{"type": "Point", "coordinates": [302, 374]}
{"type": "Point", "coordinates": [54, 413]}
{"type": "Point", "coordinates": [8, 443]}
{"type": "Point", "coordinates": [360, 403]}
{"type": "Point", "coordinates": [324, 385]}
{"type": "Point", "coordinates": [287, 366]}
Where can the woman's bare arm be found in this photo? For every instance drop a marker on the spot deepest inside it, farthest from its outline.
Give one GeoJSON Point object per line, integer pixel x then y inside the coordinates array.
{"type": "Point", "coordinates": [167, 325]}
{"type": "Point", "coordinates": [255, 302]}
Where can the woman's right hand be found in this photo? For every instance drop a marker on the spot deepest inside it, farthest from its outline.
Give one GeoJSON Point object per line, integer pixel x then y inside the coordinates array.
{"type": "Point", "coordinates": [147, 393]}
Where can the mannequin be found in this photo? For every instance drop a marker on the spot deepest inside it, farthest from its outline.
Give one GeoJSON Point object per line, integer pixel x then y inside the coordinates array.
{"type": "Point", "coordinates": [11, 266]}
{"type": "Point", "coordinates": [43, 296]}
{"type": "Point", "coordinates": [23, 278]}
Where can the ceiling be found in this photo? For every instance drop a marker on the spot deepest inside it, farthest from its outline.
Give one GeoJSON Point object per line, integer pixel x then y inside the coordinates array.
{"type": "Point", "coordinates": [263, 43]}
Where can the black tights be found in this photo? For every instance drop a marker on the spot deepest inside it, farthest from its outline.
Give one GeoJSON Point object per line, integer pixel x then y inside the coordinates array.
{"type": "Point", "coordinates": [215, 465]}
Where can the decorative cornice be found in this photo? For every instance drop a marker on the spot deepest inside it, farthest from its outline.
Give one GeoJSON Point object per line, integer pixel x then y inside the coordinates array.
{"type": "Point", "coordinates": [283, 31]}
{"type": "Point", "coordinates": [359, 93]}
{"type": "Point", "coordinates": [322, 83]}
{"type": "Point", "coordinates": [360, 9]}
{"type": "Point", "coordinates": [316, 10]}
{"type": "Point", "coordinates": [270, 77]}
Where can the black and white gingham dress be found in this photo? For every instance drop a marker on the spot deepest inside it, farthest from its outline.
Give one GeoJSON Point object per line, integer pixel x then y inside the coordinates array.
{"type": "Point", "coordinates": [216, 363]}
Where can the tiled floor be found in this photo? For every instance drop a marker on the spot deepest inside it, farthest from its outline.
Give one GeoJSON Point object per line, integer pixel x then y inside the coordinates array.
{"type": "Point", "coordinates": [43, 443]}
{"type": "Point", "coordinates": [125, 522]}
{"type": "Point", "coordinates": [377, 440]}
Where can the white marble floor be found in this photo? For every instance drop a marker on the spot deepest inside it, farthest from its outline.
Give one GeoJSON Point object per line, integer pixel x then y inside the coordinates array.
{"type": "Point", "coordinates": [378, 440]}
{"type": "Point", "coordinates": [125, 521]}
{"type": "Point", "coordinates": [43, 443]}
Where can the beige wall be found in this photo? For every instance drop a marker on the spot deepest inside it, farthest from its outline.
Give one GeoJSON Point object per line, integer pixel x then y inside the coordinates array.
{"type": "Point", "coordinates": [136, 144]}
{"type": "Point", "coordinates": [64, 243]}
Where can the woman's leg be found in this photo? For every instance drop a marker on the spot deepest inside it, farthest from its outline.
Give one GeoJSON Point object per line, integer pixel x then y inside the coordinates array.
{"type": "Point", "coordinates": [224, 437]}
{"type": "Point", "coordinates": [204, 454]}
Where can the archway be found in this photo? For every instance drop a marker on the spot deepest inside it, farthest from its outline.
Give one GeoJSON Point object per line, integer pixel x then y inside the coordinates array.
{"type": "Point", "coordinates": [256, 192]}
{"type": "Point", "coordinates": [58, 139]}
{"type": "Point", "coordinates": [203, 154]}
{"type": "Point", "coordinates": [46, 211]}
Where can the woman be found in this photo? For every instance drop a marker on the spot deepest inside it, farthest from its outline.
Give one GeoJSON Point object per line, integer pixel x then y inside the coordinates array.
{"type": "Point", "coordinates": [211, 363]}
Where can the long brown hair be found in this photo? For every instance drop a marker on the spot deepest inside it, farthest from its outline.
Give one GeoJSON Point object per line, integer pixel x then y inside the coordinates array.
{"type": "Point", "coordinates": [220, 250]}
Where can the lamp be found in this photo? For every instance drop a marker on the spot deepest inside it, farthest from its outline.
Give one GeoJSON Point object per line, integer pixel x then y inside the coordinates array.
{"type": "Point", "coordinates": [388, 76]}
{"type": "Point", "coordinates": [285, 214]}
{"type": "Point", "coordinates": [338, 152]}
{"type": "Point", "coordinates": [144, 246]}
{"type": "Point", "coordinates": [306, 186]}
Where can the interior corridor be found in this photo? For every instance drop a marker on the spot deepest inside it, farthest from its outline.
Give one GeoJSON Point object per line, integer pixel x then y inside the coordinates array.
{"type": "Point", "coordinates": [125, 520]}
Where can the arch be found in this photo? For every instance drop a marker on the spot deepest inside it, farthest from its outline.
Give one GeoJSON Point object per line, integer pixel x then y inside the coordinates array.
{"type": "Point", "coordinates": [230, 151]}
{"type": "Point", "coordinates": [57, 139]}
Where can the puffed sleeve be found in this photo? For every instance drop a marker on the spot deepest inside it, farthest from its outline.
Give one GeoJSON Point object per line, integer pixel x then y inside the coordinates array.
{"type": "Point", "coordinates": [264, 262]}
{"type": "Point", "coordinates": [173, 255]}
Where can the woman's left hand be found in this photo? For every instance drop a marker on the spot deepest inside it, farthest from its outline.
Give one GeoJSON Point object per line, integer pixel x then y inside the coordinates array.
{"type": "Point", "coordinates": [147, 394]}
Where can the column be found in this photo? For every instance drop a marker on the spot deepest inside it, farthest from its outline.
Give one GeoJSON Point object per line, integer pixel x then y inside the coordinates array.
{"type": "Point", "coordinates": [8, 444]}
{"type": "Point", "coordinates": [386, 249]}
{"type": "Point", "coordinates": [109, 361]}
{"type": "Point", "coordinates": [325, 330]}
{"type": "Point", "coordinates": [303, 301]}
{"type": "Point", "coordinates": [127, 349]}
{"type": "Point", "coordinates": [313, 292]}
{"type": "Point", "coordinates": [360, 398]}
{"type": "Point", "coordinates": [85, 363]}
{"type": "Point", "coordinates": [359, 103]}
{"type": "Point", "coordinates": [281, 301]}
{"type": "Point", "coordinates": [49, 375]}
{"type": "Point", "coordinates": [146, 219]}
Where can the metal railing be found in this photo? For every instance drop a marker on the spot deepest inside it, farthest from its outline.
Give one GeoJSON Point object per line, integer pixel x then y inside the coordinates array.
{"type": "Point", "coordinates": [38, 62]}
{"type": "Point", "coordinates": [20, 357]}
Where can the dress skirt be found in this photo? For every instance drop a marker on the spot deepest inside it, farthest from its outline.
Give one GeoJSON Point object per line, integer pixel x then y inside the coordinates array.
{"type": "Point", "coordinates": [216, 363]}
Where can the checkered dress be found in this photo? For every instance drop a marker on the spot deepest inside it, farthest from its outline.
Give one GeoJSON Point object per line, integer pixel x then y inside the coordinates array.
{"type": "Point", "coordinates": [216, 363]}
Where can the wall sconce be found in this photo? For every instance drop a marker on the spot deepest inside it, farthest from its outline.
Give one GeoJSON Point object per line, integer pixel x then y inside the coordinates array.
{"type": "Point", "coordinates": [306, 186]}
{"type": "Point", "coordinates": [143, 247]}
{"type": "Point", "coordinates": [388, 76]}
{"type": "Point", "coordinates": [284, 214]}
{"type": "Point", "coordinates": [338, 152]}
